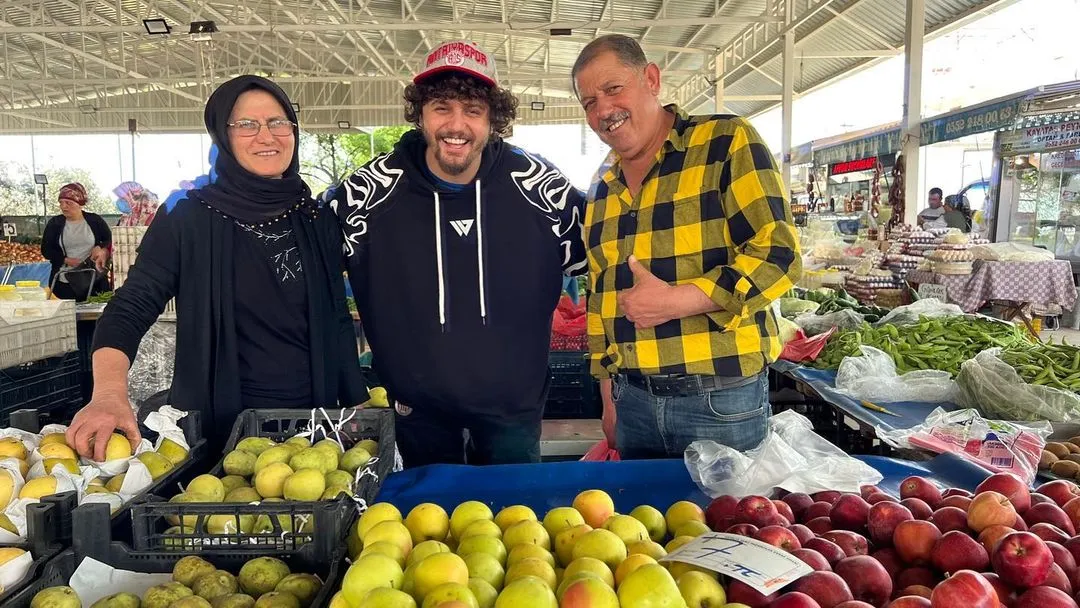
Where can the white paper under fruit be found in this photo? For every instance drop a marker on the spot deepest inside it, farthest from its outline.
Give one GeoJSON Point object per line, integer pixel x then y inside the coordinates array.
{"type": "Point", "coordinates": [15, 570]}
{"type": "Point", "coordinates": [164, 422]}
{"type": "Point", "coordinates": [136, 479]}
{"type": "Point", "coordinates": [94, 580]}
{"type": "Point", "coordinates": [115, 501]}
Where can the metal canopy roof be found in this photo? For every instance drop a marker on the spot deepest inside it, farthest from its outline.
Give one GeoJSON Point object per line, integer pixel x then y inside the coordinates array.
{"type": "Point", "coordinates": [91, 66]}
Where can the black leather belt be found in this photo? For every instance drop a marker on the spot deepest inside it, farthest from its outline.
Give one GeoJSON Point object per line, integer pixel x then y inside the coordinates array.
{"type": "Point", "coordinates": [682, 385]}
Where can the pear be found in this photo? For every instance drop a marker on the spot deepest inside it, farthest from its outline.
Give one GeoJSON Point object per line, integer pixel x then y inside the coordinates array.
{"type": "Point", "coordinates": [304, 586]}
{"type": "Point", "coordinates": [209, 486]}
{"type": "Point", "coordinates": [115, 483]}
{"type": "Point", "coordinates": [368, 573]}
{"type": "Point", "coordinates": [270, 481]}
{"type": "Point", "coordinates": [354, 458]}
{"type": "Point", "coordinates": [118, 447]}
{"type": "Point", "coordinates": [173, 451]}
{"type": "Point", "coordinates": [233, 600]}
{"type": "Point", "coordinates": [231, 482]}
{"type": "Point", "coordinates": [276, 454]}
{"type": "Point", "coordinates": [215, 584]}
{"type": "Point", "coordinates": [157, 464]}
{"type": "Point", "coordinates": [190, 568]}
{"type": "Point", "coordinates": [304, 485]}
{"type": "Point", "coordinates": [277, 599]}
{"type": "Point", "coordinates": [239, 463]}
{"type": "Point", "coordinates": [324, 460]}
{"type": "Point", "coordinates": [244, 494]}
{"type": "Point", "coordinates": [255, 445]}
{"type": "Point", "coordinates": [56, 597]}
{"type": "Point", "coordinates": [118, 600]}
{"type": "Point", "coordinates": [162, 596]}
{"type": "Point", "coordinates": [261, 575]}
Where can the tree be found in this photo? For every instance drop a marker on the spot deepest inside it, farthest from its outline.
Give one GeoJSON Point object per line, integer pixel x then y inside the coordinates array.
{"type": "Point", "coordinates": [327, 158]}
{"type": "Point", "coordinates": [19, 195]}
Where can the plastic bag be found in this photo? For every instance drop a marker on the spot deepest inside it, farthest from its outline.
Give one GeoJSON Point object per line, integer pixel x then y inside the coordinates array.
{"type": "Point", "coordinates": [814, 324]}
{"type": "Point", "coordinates": [802, 348]}
{"type": "Point", "coordinates": [992, 444]}
{"type": "Point", "coordinates": [793, 307]}
{"type": "Point", "coordinates": [792, 456]}
{"type": "Point", "coordinates": [992, 386]}
{"type": "Point", "coordinates": [1011, 252]}
{"type": "Point", "coordinates": [152, 370]}
{"type": "Point", "coordinates": [873, 377]}
{"type": "Point", "coordinates": [601, 453]}
{"type": "Point", "coordinates": [927, 307]}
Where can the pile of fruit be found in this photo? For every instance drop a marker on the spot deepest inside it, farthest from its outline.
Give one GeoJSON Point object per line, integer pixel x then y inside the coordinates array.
{"type": "Point", "coordinates": [999, 546]}
{"type": "Point", "coordinates": [1062, 458]}
{"type": "Point", "coordinates": [53, 450]}
{"type": "Point", "coordinates": [19, 253]}
{"type": "Point", "coordinates": [263, 582]}
{"type": "Point", "coordinates": [938, 343]}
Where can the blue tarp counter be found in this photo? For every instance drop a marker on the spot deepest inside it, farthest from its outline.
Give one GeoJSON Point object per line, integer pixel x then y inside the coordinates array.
{"type": "Point", "coordinates": [911, 413]}
{"type": "Point", "coordinates": [630, 483]}
{"type": "Point", "coordinates": [38, 271]}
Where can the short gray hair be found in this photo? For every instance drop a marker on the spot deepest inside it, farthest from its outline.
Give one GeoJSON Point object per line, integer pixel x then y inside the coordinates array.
{"type": "Point", "coordinates": [626, 50]}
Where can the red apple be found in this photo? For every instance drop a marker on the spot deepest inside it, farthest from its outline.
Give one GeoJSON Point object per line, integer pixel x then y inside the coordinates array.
{"type": "Point", "coordinates": [960, 502]}
{"type": "Point", "coordinates": [794, 600]}
{"type": "Point", "coordinates": [990, 536]}
{"type": "Point", "coordinates": [957, 551]}
{"type": "Point", "coordinates": [850, 542]}
{"type": "Point", "coordinates": [964, 589]}
{"type": "Point", "coordinates": [749, 530]}
{"type": "Point", "coordinates": [881, 497]}
{"type": "Point", "coordinates": [1004, 592]}
{"type": "Point", "coordinates": [1009, 485]}
{"type": "Point", "coordinates": [1044, 597]}
{"type": "Point", "coordinates": [1060, 491]}
{"type": "Point", "coordinates": [1022, 559]}
{"type": "Point", "coordinates": [784, 510]}
{"type": "Point", "coordinates": [1072, 510]}
{"type": "Point", "coordinates": [890, 560]}
{"type": "Point", "coordinates": [829, 496]}
{"type": "Point", "coordinates": [756, 510]}
{"type": "Point", "coordinates": [1073, 545]}
{"type": "Point", "coordinates": [828, 549]}
{"type": "Point", "coordinates": [819, 525]}
{"type": "Point", "coordinates": [914, 540]}
{"type": "Point", "coordinates": [1058, 580]}
{"type": "Point", "coordinates": [867, 491]}
{"type": "Point", "coordinates": [910, 601]}
{"type": "Point", "coordinates": [1037, 498]}
{"type": "Point", "coordinates": [1049, 533]}
{"type": "Point", "coordinates": [1062, 556]}
{"type": "Point", "coordinates": [918, 507]}
{"type": "Point", "coordinates": [798, 502]}
{"type": "Point", "coordinates": [827, 588]}
{"type": "Point", "coordinates": [948, 519]}
{"type": "Point", "coordinates": [813, 559]}
{"type": "Point", "coordinates": [919, 590]}
{"type": "Point", "coordinates": [739, 592]}
{"type": "Point", "coordinates": [1020, 524]}
{"type": "Point", "coordinates": [921, 488]}
{"type": "Point", "coordinates": [918, 575]}
{"type": "Point", "coordinates": [854, 604]}
{"type": "Point", "coordinates": [850, 512]}
{"type": "Point", "coordinates": [817, 509]}
{"type": "Point", "coordinates": [883, 519]}
{"type": "Point", "coordinates": [866, 578]}
{"type": "Point", "coordinates": [1050, 514]}
{"type": "Point", "coordinates": [720, 511]}
{"type": "Point", "coordinates": [778, 536]}
{"type": "Point", "coordinates": [988, 509]}
{"type": "Point", "coordinates": [956, 492]}
{"type": "Point", "coordinates": [802, 533]}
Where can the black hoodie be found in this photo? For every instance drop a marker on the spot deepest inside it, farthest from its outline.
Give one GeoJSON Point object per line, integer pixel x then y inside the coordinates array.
{"type": "Point", "coordinates": [456, 289]}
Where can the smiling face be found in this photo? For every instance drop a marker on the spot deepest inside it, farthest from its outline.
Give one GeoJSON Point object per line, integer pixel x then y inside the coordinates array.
{"type": "Point", "coordinates": [265, 155]}
{"type": "Point", "coordinates": [456, 132]}
{"type": "Point", "coordinates": [622, 106]}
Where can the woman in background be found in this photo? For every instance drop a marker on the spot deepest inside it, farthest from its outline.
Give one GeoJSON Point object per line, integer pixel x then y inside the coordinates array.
{"type": "Point", "coordinates": [79, 241]}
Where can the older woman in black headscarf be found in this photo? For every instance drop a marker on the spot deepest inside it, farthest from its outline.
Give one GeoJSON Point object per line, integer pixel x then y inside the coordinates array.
{"type": "Point", "coordinates": [254, 263]}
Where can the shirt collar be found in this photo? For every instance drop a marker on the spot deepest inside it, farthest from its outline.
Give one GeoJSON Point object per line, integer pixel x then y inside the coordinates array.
{"type": "Point", "coordinates": [676, 141]}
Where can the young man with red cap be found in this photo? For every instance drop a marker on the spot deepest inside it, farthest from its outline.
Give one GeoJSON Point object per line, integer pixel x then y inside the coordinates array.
{"type": "Point", "coordinates": [457, 246]}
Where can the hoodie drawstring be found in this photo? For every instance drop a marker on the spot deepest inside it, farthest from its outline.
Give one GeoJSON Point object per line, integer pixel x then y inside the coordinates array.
{"type": "Point", "coordinates": [479, 258]}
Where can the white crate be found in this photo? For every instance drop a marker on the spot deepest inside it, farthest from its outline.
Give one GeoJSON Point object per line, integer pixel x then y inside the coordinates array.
{"type": "Point", "coordinates": [30, 331]}
{"type": "Point", "coordinates": [126, 241]}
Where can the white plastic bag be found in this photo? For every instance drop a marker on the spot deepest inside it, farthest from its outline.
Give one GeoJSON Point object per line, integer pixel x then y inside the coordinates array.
{"type": "Point", "coordinates": [813, 324]}
{"type": "Point", "coordinates": [927, 307]}
{"type": "Point", "coordinates": [873, 377]}
{"type": "Point", "coordinates": [792, 457]}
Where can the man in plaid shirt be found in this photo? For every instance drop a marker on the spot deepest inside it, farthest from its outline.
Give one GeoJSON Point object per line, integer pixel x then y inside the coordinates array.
{"type": "Point", "coordinates": [690, 239]}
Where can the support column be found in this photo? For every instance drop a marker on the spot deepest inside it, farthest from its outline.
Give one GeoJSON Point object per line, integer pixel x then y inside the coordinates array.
{"type": "Point", "coordinates": [912, 132]}
{"type": "Point", "coordinates": [787, 96]}
{"type": "Point", "coordinates": [718, 84]}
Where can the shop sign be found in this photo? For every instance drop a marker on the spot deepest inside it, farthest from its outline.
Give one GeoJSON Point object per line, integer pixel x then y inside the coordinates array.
{"type": "Point", "coordinates": [980, 119]}
{"type": "Point", "coordinates": [932, 290]}
{"type": "Point", "coordinates": [880, 144]}
{"type": "Point", "coordinates": [760, 565]}
{"type": "Point", "coordinates": [853, 166]}
{"type": "Point", "coordinates": [1040, 139]}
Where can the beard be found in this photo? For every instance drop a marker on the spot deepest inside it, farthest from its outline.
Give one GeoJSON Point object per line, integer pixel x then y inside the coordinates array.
{"type": "Point", "coordinates": [455, 164]}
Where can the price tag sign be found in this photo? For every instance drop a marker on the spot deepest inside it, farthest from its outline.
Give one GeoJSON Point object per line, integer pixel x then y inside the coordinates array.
{"type": "Point", "coordinates": [760, 565]}
{"type": "Point", "coordinates": [932, 290]}
{"type": "Point", "coordinates": [10, 230]}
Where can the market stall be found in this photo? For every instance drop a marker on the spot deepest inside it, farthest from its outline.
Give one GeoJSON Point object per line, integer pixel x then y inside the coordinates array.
{"type": "Point", "coordinates": [1046, 284]}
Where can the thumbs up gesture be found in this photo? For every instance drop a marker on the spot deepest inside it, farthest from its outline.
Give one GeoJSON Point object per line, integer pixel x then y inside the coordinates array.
{"type": "Point", "coordinates": [648, 303]}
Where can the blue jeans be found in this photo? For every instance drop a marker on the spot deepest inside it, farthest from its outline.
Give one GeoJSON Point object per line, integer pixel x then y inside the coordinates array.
{"type": "Point", "coordinates": [648, 426]}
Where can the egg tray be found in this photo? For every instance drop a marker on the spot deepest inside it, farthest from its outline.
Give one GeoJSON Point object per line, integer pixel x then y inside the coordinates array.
{"type": "Point", "coordinates": [150, 517]}
{"type": "Point", "coordinates": [42, 528]}
{"type": "Point", "coordinates": [92, 539]}
{"type": "Point", "coordinates": [32, 421]}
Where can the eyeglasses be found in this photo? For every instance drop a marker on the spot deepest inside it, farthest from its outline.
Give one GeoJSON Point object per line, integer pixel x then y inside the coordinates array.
{"type": "Point", "coordinates": [250, 128]}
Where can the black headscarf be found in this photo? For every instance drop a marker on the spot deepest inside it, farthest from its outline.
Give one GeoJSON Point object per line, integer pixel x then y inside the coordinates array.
{"type": "Point", "coordinates": [235, 191]}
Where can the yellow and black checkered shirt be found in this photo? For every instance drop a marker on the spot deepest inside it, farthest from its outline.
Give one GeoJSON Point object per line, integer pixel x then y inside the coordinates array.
{"type": "Point", "coordinates": [711, 212]}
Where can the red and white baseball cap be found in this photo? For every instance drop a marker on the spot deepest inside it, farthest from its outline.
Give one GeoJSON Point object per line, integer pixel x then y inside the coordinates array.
{"type": "Point", "coordinates": [459, 56]}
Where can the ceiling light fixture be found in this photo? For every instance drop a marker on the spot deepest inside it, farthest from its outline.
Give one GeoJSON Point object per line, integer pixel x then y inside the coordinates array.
{"type": "Point", "coordinates": [295, 107]}
{"type": "Point", "coordinates": [202, 30]}
{"type": "Point", "coordinates": [87, 109]}
{"type": "Point", "coordinates": [41, 179]}
{"type": "Point", "coordinates": [561, 31]}
{"type": "Point", "coordinates": [156, 27]}
{"type": "Point", "coordinates": [344, 124]}
{"type": "Point", "coordinates": [537, 106]}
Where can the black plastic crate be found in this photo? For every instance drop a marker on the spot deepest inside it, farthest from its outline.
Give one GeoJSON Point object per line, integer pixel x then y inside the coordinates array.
{"type": "Point", "coordinates": [572, 393]}
{"type": "Point", "coordinates": [150, 516]}
{"type": "Point", "coordinates": [33, 420]}
{"type": "Point", "coordinates": [93, 540]}
{"type": "Point", "coordinates": [42, 529]}
{"type": "Point", "coordinates": [52, 384]}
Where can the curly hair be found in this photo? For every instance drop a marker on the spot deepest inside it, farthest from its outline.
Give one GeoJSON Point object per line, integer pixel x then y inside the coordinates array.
{"type": "Point", "coordinates": [501, 103]}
